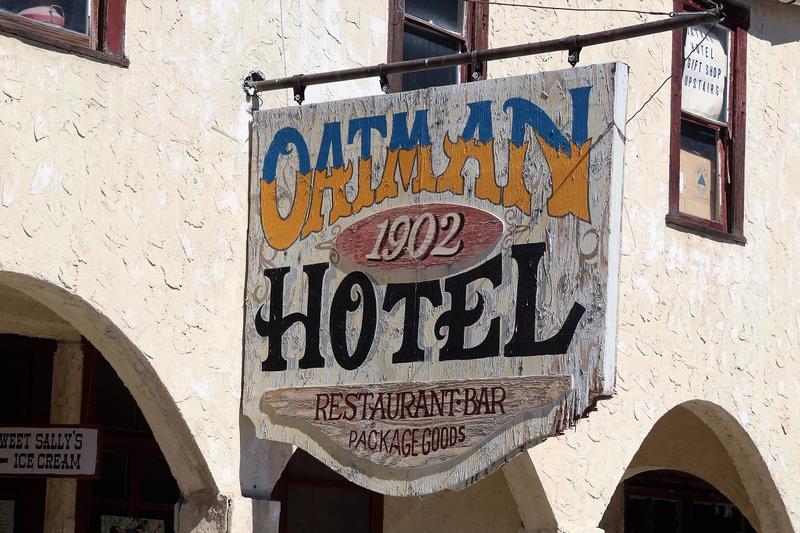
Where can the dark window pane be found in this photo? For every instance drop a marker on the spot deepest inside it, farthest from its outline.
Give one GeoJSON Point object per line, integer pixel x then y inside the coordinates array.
{"type": "Point", "coordinates": [448, 14]}
{"type": "Point", "coordinates": [417, 44]}
{"type": "Point", "coordinates": [651, 515]}
{"type": "Point", "coordinates": [156, 482]}
{"type": "Point", "coordinates": [336, 509]}
{"type": "Point", "coordinates": [717, 517]}
{"type": "Point", "coordinates": [113, 482]}
{"type": "Point", "coordinates": [26, 369]}
{"type": "Point", "coordinates": [115, 408]}
{"type": "Point", "coordinates": [70, 14]}
{"type": "Point", "coordinates": [698, 187]}
{"type": "Point", "coordinates": [688, 505]}
{"type": "Point", "coordinates": [339, 505]}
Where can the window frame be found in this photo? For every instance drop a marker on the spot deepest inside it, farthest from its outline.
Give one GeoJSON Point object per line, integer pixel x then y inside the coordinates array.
{"type": "Point", "coordinates": [104, 41]}
{"type": "Point", "coordinates": [474, 37]}
{"type": "Point", "coordinates": [280, 491]}
{"type": "Point", "coordinates": [134, 446]}
{"type": "Point", "coordinates": [679, 487]}
{"type": "Point", "coordinates": [731, 138]}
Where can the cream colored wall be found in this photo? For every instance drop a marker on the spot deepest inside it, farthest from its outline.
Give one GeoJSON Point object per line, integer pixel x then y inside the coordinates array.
{"type": "Point", "coordinates": [123, 205]}
{"type": "Point", "coordinates": [682, 441]}
{"type": "Point", "coordinates": [486, 506]}
{"type": "Point", "coordinates": [698, 319]}
{"type": "Point", "coordinates": [123, 201]}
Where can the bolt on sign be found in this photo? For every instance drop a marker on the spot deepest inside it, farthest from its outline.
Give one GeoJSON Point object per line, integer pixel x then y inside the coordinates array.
{"type": "Point", "coordinates": [432, 275]}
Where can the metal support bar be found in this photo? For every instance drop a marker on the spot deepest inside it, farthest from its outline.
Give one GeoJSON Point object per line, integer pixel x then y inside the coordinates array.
{"type": "Point", "coordinates": [571, 44]}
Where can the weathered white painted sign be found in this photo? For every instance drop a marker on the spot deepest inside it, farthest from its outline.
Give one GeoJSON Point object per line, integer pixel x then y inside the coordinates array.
{"type": "Point", "coordinates": [51, 451]}
{"type": "Point", "coordinates": [705, 72]}
{"type": "Point", "coordinates": [432, 275]}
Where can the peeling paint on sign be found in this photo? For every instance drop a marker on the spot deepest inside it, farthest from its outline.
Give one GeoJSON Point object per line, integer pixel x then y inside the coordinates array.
{"type": "Point", "coordinates": [432, 275]}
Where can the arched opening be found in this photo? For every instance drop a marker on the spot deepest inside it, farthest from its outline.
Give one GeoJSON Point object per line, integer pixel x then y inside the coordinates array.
{"type": "Point", "coordinates": [486, 505]}
{"type": "Point", "coordinates": [147, 455]}
{"type": "Point", "coordinates": [703, 457]}
{"type": "Point", "coordinates": [669, 501]}
{"type": "Point", "coordinates": [135, 487]}
{"type": "Point", "coordinates": [26, 370]}
{"type": "Point", "coordinates": [338, 504]}
{"type": "Point", "coordinates": [342, 506]}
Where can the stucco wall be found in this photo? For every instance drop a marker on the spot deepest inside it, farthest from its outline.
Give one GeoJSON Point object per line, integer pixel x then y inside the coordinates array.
{"type": "Point", "coordinates": [698, 318]}
{"type": "Point", "coordinates": [124, 191]}
{"type": "Point", "coordinates": [486, 506]}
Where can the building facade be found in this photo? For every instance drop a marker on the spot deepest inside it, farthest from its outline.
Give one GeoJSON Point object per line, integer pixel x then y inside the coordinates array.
{"type": "Point", "coordinates": [123, 224]}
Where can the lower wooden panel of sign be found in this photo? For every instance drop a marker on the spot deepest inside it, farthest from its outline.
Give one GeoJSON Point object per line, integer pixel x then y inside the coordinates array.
{"type": "Point", "coordinates": [407, 426]}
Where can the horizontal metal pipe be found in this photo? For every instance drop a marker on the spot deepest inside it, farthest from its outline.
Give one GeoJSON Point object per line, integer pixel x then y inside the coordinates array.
{"type": "Point", "coordinates": [678, 20]}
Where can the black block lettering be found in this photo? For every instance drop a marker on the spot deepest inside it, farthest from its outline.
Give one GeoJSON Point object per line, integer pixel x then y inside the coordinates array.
{"type": "Point", "coordinates": [344, 301]}
{"type": "Point", "coordinates": [458, 318]}
{"type": "Point", "coordinates": [523, 343]}
{"type": "Point", "coordinates": [276, 326]}
{"type": "Point", "coordinates": [412, 293]}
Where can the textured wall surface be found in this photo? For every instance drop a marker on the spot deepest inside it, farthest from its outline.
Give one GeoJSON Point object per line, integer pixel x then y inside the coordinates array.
{"type": "Point", "coordinates": [123, 208]}
{"type": "Point", "coordinates": [699, 319]}
{"type": "Point", "coordinates": [486, 506]}
{"type": "Point", "coordinates": [123, 197]}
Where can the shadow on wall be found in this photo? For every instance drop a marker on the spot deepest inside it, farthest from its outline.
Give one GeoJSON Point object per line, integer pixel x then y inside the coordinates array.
{"type": "Point", "coordinates": [774, 22]}
{"type": "Point", "coordinates": [702, 439]}
{"type": "Point", "coordinates": [175, 439]}
{"type": "Point", "coordinates": [261, 462]}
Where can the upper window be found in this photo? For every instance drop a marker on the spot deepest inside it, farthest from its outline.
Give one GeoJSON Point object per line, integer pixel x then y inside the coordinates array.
{"type": "Point", "coordinates": [425, 28]}
{"type": "Point", "coordinates": [93, 28]}
{"type": "Point", "coordinates": [706, 192]}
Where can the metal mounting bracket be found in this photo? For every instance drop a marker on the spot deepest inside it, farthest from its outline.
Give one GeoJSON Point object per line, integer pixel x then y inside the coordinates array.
{"type": "Point", "coordinates": [574, 56]}
{"type": "Point", "coordinates": [299, 89]}
{"type": "Point", "coordinates": [249, 88]}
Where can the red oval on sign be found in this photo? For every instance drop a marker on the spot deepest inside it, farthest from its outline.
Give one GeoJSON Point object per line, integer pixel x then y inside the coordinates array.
{"type": "Point", "coordinates": [425, 240]}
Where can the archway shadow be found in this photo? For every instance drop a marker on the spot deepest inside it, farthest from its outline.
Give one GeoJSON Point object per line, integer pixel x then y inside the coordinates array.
{"type": "Point", "coordinates": [185, 459]}
{"type": "Point", "coordinates": [702, 439]}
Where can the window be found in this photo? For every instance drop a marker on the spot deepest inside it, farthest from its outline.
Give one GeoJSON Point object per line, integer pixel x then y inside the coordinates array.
{"type": "Point", "coordinates": [676, 502]}
{"type": "Point", "coordinates": [135, 487]}
{"type": "Point", "coordinates": [91, 28]}
{"type": "Point", "coordinates": [425, 28]}
{"type": "Point", "coordinates": [706, 189]}
{"type": "Point", "coordinates": [26, 374]}
{"type": "Point", "coordinates": [339, 505]}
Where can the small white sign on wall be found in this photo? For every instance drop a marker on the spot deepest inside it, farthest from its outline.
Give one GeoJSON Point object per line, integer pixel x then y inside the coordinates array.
{"type": "Point", "coordinates": [49, 451]}
{"type": "Point", "coordinates": [705, 72]}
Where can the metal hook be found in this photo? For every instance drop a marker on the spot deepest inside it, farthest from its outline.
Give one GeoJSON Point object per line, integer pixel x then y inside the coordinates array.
{"type": "Point", "coordinates": [574, 56]}
{"type": "Point", "coordinates": [299, 89]}
{"type": "Point", "coordinates": [383, 79]}
{"type": "Point", "coordinates": [477, 68]}
{"type": "Point", "coordinates": [249, 88]}
{"type": "Point", "coordinates": [574, 51]}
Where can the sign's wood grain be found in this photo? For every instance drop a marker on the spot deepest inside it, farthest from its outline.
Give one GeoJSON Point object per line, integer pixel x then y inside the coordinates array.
{"type": "Point", "coordinates": [414, 425]}
{"type": "Point", "coordinates": [461, 239]}
{"type": "Point", "coordinates": [427, 241]}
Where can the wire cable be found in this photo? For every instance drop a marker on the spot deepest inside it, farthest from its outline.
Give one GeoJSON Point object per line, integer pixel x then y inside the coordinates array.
{"type": "Point", "coordinates": [567, 8]}
{"type": "Point", "coordinates": [683, 63]}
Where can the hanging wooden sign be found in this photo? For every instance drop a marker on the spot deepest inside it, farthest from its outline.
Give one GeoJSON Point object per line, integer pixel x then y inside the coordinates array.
{"type": "Point", "coordinates": [432, 275]}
